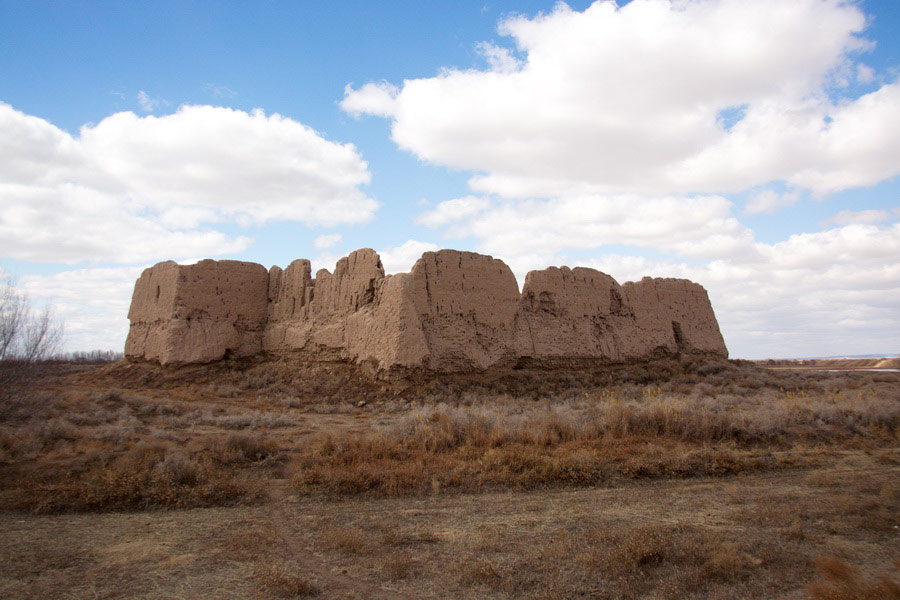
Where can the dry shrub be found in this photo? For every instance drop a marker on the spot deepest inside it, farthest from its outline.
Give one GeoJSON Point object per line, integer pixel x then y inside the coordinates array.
{"type": "Point", "coordinates": [351, 540]}
{"type": "Point", "coordinates": [532, 467]}
{"type": "Point", "coordinates": [673, 560]}
{"type": "Point", "coordinates": [399, 566]}
{"type": "Point", "coordinates": [56, 430]}
{"type": "Point", "coordinates": [366, 466]}
{"type": "Point", "coordinates": [841, 581]}
{"type": "Point", "coordinates": [147, 476]}
{"type": "Point", "coordinates": [178, 468]}
{"type": "Point", "coordinates": [252, 419]}
{"type": "Point", "coordinates": [244, 448]}
{"type": "Point", "coordinates": [284, 579]}
{"type": "Point", "coordinates": [580, 437]}
{"type": "Point", "coordinates": [480, 572]}
{"type": "Point", "coordinates": [397, 539]}
{"type": "Point", "coordinates": [726, 562]}
{"type": "Point", "coordinates": [529, 429]}
{"type": "Point", "coordinates": [715, 462]}
{"type": "Point", "coordinates": [97, 451]}
{"type": "Point", "coordinates": [467, 448]}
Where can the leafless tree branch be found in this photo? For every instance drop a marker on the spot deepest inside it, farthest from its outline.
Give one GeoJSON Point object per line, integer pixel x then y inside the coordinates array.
{"type": "Point", "coordinates": [25, 336]}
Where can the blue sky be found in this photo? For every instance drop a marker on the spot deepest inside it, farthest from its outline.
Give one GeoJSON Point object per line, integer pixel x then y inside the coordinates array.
{"type": "Point", "coordinates": [750, 147]}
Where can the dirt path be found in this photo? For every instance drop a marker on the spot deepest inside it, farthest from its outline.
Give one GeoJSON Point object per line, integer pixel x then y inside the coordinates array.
{"type": "Point", "coordinates": [324, 576]}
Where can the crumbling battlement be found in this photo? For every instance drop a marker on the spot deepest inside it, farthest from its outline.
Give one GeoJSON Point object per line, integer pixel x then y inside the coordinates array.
{"type": "Point", "coordinates": [454, 311]}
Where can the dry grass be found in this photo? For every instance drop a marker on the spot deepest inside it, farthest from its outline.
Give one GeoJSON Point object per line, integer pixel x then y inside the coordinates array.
{"type": "Point", "coordinates": [158, 439]}
{"type": "Point", "coordinates": [676, 479]}
{"type": "Point", "coordinates": [249, 541]}
{"type": "Point", "coordinates": [592, 439]}
{"type": "Point", "coordinates": [841, 581]}
{"type": "Point", "coordinates": [700, 538]}
{"type": "Point", "coordinates": [145, 476]}
{"type": "Point", "coordinates": [621, 560]}
{"type": "Point", "coordinates": [63, 451]}
{"type": "Point", "coordinates": [284, 580]}
{"type": "Point", "coordinates": [349, 540]}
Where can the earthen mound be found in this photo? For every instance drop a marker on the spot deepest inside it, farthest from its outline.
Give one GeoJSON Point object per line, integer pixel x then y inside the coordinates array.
{"type": "Point", "coordinates": [453, 312]}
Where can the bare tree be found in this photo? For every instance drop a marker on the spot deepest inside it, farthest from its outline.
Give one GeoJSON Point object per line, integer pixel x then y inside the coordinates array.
{"type": "Point", "coordinates": [12, 307]}
{"type": "Point", "coordinates": [25, 335]}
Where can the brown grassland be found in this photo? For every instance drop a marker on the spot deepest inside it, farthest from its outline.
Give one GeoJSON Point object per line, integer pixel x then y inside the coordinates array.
{"type": "Point", "coordinates": [692, 478]}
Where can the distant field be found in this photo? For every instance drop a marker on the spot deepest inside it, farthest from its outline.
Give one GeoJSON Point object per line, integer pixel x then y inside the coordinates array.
{"type": "Point", "coordinates": [676, 479]}
{"type": "Point", "coordinates": [833, 363]}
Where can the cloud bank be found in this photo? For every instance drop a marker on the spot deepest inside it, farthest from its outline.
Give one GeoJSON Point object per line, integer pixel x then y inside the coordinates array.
{"type": "Point", "coordinates": [132, 189]}
{"type": "Point", "coordinates": [655, 97]}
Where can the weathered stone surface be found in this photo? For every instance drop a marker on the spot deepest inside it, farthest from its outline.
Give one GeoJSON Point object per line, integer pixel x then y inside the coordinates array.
{"type": "Point", "coordinates": [351, 287]}
{"type": "Point", "coordinates": [577, 313]}
{"type": "Point", "coordinates": [454, 311]}
{"type": "Point", "coordinates": [466, 305]}
{"type": "Point", "coordinates": [675, 315]}
{"type": "Point", "coordinates": [198, 313]}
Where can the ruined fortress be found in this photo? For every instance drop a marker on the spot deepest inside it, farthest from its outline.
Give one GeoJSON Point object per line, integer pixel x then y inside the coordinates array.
{"type": "Point", "coordinates": [453, 312]}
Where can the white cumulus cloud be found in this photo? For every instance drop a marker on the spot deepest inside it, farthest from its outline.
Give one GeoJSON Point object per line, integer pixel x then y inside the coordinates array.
{"type": "Point", "coordinates": [768, 201]}
{"type": "Point", "coordinates": [92, 304]}
{"type": "Point", "coordinates": [450, 211]}
{"type": "Point", "coordinates": [631, 99]}
{"type": "Point", "coordinates": [132, 188]}
{"type": "Point", "coordinates": [848, 217]}
{"type": "Point", "coordinates": [400, 259]}
{"type": "Point", "coordinates": [327, 240]}
{"type": "Point", "coordinates": [701, 227]}
{"type": "Point", "coordinates": [372, 98]}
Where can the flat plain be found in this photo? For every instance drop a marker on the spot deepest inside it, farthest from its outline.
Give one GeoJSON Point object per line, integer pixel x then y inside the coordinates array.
{"type": "Point", "coordinates": [692, 478]}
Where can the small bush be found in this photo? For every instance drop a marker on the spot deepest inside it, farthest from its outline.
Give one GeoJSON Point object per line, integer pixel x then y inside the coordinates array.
{"type": "Point", "coordinates": [843, 582]}
{"type": "Point", "coordinates": [149, 475]}
{"type": "Point", "coordinates": [244, 447]}
{"type": "Point", "coordinates": [284, 579]}
{"type": "Point", "coordinates": [480, 571]}
{"type": "Point", "coordinates": [351, 540]}
{"type": "Point", "coordinates": [399, 566]}
{"type": "Point", "coordinates": [179, 469]}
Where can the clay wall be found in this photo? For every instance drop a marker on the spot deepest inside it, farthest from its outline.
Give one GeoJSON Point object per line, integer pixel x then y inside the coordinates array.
{"type": "Point", "coordinates": [454, 311]}
{"type": "Point", "coordinates": [466, 305]}
{"type": "Point", "coordinates": [198, 313]}
{"type": "Point", "coordinates": [577, 313]}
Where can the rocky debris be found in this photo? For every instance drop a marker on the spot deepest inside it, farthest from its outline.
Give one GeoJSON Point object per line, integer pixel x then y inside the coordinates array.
{"type": "Point", "coordinates": [453, 312]}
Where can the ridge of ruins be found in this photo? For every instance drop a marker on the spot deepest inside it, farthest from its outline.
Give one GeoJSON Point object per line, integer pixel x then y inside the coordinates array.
{"type": "Point", "coordinates": [453, 312]}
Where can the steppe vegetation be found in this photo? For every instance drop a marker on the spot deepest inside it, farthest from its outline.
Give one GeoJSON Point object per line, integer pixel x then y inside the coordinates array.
{"type": "Point", "coordinates": [668, 479]}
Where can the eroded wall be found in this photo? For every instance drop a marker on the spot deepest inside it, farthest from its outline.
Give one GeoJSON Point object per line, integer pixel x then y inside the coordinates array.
{"type": "Point", "coordinates": [454, 311]}
{"type": "Point", "coordinates": [198, 313]}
